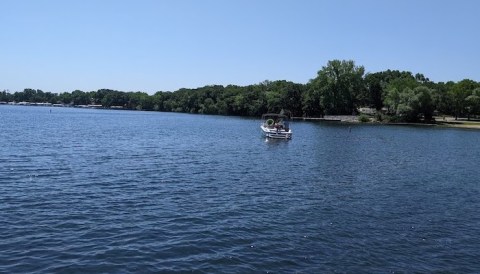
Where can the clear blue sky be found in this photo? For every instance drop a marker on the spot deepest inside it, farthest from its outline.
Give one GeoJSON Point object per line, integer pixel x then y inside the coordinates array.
{"type": "Point", "coordinates": [164, 45]}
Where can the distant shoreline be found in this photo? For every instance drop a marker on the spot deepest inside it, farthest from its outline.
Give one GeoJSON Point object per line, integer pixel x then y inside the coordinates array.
{"type": "Point", "coordinates": [440, 121]}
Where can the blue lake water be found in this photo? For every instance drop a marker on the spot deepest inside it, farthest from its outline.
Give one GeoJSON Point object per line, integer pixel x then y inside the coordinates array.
{"type": "Point", "coordinates": [108, 191]}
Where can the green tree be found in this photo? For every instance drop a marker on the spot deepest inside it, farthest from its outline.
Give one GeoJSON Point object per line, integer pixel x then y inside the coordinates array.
{"type": "Point", "coordinates": [80, 98]}
{"type": "Point", "coordinates": [459, 92]}
{"type": "Point", "coordinates": [473, 103]}
{"type": "Point", "coordinates": [157, 100]}
{"type": "Point", "coordinates": [392, 100]}
{"type": "Point", "coordinates": [340, 83]}
{"type": "Point", "coordinates": [283, 95]}
{"type": "Point", "coordinates": [208, 107]}
{"type": "Point", "coordinates": [111, 98]}
{"type": "Point", "coordinates": [374, 85]}
{"type": "Point", "coordinates": [379, 83]}
{"type": "Point", "coordinates": [442, 98]}
{"type": "Point", "coordinates": [410, 105]}
{"type": "Point", "coordinates": [425, 104]}
{"type": "Point", "coordinates": [4, 96]}
{"type": "Point", "coordinates": [312, 102]}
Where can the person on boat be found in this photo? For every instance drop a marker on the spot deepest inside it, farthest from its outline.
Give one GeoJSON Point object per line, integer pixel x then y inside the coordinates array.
{"type": "Point", "coordinates": [278, 124]}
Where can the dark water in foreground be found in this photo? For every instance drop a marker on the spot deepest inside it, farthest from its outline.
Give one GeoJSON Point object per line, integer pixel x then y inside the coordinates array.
{"type": "Point", "coordinates": [140, 192]}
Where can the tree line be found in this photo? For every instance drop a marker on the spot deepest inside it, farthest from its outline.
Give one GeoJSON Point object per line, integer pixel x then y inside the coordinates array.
{"type": "Point", "coordinates": [340, 88]}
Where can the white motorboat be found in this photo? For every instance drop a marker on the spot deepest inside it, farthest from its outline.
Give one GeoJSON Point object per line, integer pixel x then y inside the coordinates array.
{"type": "Point", "coordinates": [276, 126]}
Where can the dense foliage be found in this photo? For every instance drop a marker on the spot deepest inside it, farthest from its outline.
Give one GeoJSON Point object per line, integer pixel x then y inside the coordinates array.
{"type": "Point", "coordinates": [340, 87]}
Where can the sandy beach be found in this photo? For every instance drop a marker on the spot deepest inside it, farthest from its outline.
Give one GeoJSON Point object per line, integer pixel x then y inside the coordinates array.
{"type": "Point", "coordinates": [444, 121]}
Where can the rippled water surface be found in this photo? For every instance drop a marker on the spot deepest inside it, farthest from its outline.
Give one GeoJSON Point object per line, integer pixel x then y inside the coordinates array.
{"type": "Point", "coordinates": [140, 192]}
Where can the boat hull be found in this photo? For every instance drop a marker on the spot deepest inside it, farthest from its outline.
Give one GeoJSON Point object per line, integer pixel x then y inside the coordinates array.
{"type": "Point", "coordinates": [274, 133]}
